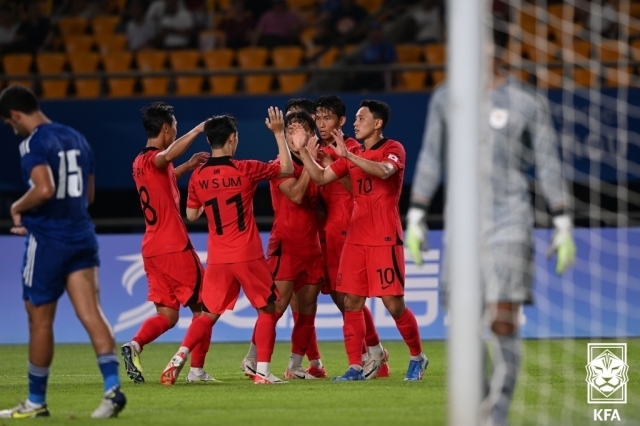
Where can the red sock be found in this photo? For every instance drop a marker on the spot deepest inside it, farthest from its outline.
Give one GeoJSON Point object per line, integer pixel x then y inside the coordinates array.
{"type": "Point", "coordinates": [371, 337]}
{"type": "Point", "coordinates": [408, 328]}
{"type": "Point", "coordinates": [265, 336]}
{"type": "Point", "coordinates": [313, 352]}
{"type": "Point", "coordinates": [151, 329]}
{"type": "Point", "coordinates": [301, 334]}
{"type": "Point", "coordinates": [199, 329]}
{"type": "Point", "coordinates": [200, 351]}
{"type": "Point", "coordinates": [354, 331]}
{"type": "Point", "coordinates": [278, 315]}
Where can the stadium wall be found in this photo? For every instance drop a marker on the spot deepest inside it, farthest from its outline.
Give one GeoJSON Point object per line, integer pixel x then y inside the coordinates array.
{"type": "Point", "coordinates": [113, 128]}
{"type": "Point", "coordinates": [123, 294]}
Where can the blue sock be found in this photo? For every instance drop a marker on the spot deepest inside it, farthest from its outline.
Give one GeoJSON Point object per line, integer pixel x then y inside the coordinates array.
{"type": "Point", "coordinates": [38, 377]}
{"type": "Point", "coordinates": [108, 364]}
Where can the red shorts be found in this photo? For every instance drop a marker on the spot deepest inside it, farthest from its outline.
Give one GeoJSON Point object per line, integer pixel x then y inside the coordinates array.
{"type": "Point", "coordinates": [300, 270]}
{"type": "Point", "coordinates": [222, 282]}
{"type": "Point", "coordinates": [371, 271]}
{"type": "Point", "coordinates": [332, 255]}
{"type": "Point", "coordinates": [174, 278]}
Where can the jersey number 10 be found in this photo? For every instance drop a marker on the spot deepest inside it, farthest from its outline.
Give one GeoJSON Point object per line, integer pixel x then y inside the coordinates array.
{"type": "Point", "coordinates": [69, 175]}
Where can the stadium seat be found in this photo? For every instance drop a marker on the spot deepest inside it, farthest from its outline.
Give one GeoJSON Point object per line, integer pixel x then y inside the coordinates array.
{"type": "Point", "coordinates": [153, 60]}
{"type": "Point", "coordinates": [370, 5]}
{"type": "Point", "coordinates": [307, 35]}
{"type": "Point", "coordinates": [635, 10]}
{"type": "Point", "coordinates": [255, 57]}
{"type": "Point", "coordinates": [327, 58]}
{"type": "Point", "coordinates": [210, 39]}
{"type": "Point", "coordinates": [435, 55]}
{"type": "Point", "coordinates": [408, 53]}
{"type": "Point", "coordinates": [349, 48]}
{"type": "Point", "coordinates": [221, 59]}
{"type": "Point", "coordinates": [118, 6]}
{"type": "Point", "coordinates": [302, 4]}
{"type": "Point", "coordinates": [584, 77]}
{"type": "Point", "coordinates": [111, 43]}
{"type": "Point", "coordinates": [544, 53]}
{"type": "Point", "coordinates": [576, 51]}
{"type": "Point", "coordinates": [85, 63]}
{"type": "Point", "coordinates": [223, 4]}
{"type": "Point", "coordinates": [635, 50]}
{"type": "Point", "coordinates": [288, 57]}
{"type": "Point", "coordinates": [52, 63]}
{"type": "Point", "coordinates": [18, 65]}
{"type": "Point", "coordinates": [72, 26]}
{"type": "Point", "coordinates": [119, 62]}
{"type": "Point", "coordinates": [614, 51]}
{"type": "Point", "coordinates": [186, 60]}
{"type": "Point", "coordinates": [78, 44]}
{"type": "Point", "coordinates": [103, 25]}
{"type": "Point", "coordinates": [46, 7]}
{"type": "Point", "coordinates": [412, 80]}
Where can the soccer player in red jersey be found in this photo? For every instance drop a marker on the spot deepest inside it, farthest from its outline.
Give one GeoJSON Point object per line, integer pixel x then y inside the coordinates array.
{"type": "Point", "coordinates": [223, 189]}
{"type": "Point", "coordinates": [173, 269]}
{"type": "Point", "coordinates": [338, 200]}
{"type": "Point", "coordinates": [372, 263]}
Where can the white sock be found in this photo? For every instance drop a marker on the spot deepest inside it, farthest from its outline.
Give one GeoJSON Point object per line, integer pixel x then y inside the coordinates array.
{"type": "Point", "coordinates": [263, 368]}
{"type": "Point", "coordinates": [252, 351]}
{"type": "Point", "coordinates": [417, 357]}
{"type": "Point", "coordinates": [317, 363]}
{"type": "Point", "coordinates": [197, 371]}
{"type": "Point", "coordinates": [30, 404]}
{"type": "Point", "coordinates": [375, 350]}
{"type": "Point", "coordinates": [136, 347]}
{"type": "Point", "coordinates": [295, 361]}
{"type": "Point", "coordinates": [365, 357]}
{"type": "Point", "coordinates": [184, 350]}
{"type": "Point", "coordinates": [356, 367]}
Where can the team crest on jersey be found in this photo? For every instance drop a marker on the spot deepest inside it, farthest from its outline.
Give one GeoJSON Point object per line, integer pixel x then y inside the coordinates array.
{"type": "Point", "coordinates": [498, 118]}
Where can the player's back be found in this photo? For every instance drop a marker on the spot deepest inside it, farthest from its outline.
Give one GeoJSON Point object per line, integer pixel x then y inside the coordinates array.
{"type": "Point", "coordinates": [224, 187]}
{"type": "Point", "coordinates": [64, 219]}
{"type": "Point", "coordinates": [165, 231]}
{"type": "Point", "coordinates": [337, 199]}
{"type": "Point", "coordinates": [295, 226]}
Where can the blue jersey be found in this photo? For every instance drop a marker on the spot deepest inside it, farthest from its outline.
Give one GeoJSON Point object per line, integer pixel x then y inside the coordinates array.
{"type": "Point", "coordinates": [63, 220]}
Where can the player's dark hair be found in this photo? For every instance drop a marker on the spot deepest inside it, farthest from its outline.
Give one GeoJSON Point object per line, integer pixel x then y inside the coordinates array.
{"type": "Point", "coordinates": [18, 98]}
{"type": "Point", "coordinates": [218, 129]}
{"type": "Point", "coordinates": [379, 110]}
{"type": "Point", "coordinates": [300, 117]}
{"type": "Point", "coordinates": [155, 116]}
{"type": "Point", "coordinates": [300, 104]}
{"type": "Point", "coordinates": [331, 103]}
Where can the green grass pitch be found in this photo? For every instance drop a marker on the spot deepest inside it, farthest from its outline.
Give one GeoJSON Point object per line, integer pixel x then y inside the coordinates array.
{"type": "Point", "coordinates": [552, 389]}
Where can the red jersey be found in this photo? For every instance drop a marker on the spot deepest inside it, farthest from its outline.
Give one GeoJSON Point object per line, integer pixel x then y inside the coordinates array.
{"type": "Point", "coordinates": [295, 226]}
{"type": "Point", "coordinates": [165, 231]}
{"type": "Point", "coordinates": [338, 201]}
{"type": "Point", "coordinates": [375, 220]}
{"type": "Point", "coordinates": [225, 188]}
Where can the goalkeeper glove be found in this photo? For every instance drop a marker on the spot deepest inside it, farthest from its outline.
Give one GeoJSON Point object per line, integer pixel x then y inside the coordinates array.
{"type": "Point", "coordinates": [416, 234]}
{"type": "Point", "coordinates": [562, 243]}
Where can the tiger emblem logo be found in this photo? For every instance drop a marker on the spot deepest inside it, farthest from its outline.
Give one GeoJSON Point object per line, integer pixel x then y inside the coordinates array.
{"type": "Point", "coordinates": [607, 373]}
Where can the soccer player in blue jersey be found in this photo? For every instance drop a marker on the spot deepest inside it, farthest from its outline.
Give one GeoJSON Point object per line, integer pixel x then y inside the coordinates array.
{"type": "Point", "coordinates": [61, 247]}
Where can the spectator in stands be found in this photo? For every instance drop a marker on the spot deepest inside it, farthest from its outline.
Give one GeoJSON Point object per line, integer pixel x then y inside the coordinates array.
{"type": "Point", "coordinates": [257, 7]}
{"type": "Point", "coordinates": [93, 8]}
{"type": "Point", "coordinates": [8, 27]}
{"type": "Point", "coordinates": [237, 25]}
{"type": "Point", "coordinates": [34, 33]}
{"type": "Point", "coordinates": [376, 52]}
{"type": "Point", "coordinates": [175, 27]}
{"type": "Point", "coordinates": [427, 20]}
{"type": "Point", "coordinates": [140, 31]}
{"type": "Point", "coordinates": [278, 26]}
{"type": "Point", "coordinates": [345, 21]}
{"type": "Point", "coordinates": [598, 17]}
{"type": "Point", "coordinates": [202, 18]}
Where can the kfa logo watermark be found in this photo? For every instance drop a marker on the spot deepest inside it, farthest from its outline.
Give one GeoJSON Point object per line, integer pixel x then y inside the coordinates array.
{"type": "Point", "coordinates": [607, 378]}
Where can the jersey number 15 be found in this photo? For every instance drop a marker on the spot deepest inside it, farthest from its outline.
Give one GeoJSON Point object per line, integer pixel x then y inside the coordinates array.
{"type": "Point", "coordinates": [69, 175]}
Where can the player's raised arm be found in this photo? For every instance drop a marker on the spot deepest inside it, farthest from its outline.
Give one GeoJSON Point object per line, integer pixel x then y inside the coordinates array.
{"type": "Point", "coordinates": [196, 160]}
{"type": "Point", "coordinates": [179, 147]}
{"type": "Point", "coordinates": [275, 123]}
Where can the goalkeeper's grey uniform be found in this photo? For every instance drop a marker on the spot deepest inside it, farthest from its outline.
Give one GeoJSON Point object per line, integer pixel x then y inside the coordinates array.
{"type": "Point", "coordinates": [521, 136]}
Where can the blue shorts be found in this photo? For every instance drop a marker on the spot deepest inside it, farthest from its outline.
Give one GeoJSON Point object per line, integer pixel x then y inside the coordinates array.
{"type": "Point", "coordinates": [45, 269]}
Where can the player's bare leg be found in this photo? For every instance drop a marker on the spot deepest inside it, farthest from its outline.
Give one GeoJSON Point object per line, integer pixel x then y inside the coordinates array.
{"type": "Point", "coordinates": [152, 328]}
{"type": "Point", "coordinates": [505, 354]}
{"type": "Point", "coordinates": [83, 290]}
{"type": "Point", "coordinates": [265, 341]}
{"type": "Point", "coordinates": [408, 328]}
{"type": "Point", "coordinates": [198, 331]}
{"type": "Point", "coordinates": [199, 353]}
{"type": "Point", "coordinates": [249, 363]}
{"type": "Point", "coordinates": [303, 330]}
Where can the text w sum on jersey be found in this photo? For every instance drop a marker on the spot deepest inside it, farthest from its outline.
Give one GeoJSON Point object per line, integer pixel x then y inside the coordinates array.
{"type": "Point", "coordinates": [220, 182]}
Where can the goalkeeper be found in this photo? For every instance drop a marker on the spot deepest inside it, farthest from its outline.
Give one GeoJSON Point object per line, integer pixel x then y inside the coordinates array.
{"type": "Point", "coordinates": [520, 137]}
